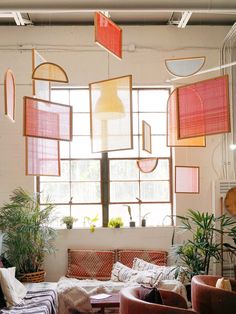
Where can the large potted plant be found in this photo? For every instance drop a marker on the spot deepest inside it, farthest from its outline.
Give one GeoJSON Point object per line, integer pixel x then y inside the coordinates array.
{"type": "Point", "coordinates": [205, 242]}
{"type": "Point", "coordinates": [27, 235]}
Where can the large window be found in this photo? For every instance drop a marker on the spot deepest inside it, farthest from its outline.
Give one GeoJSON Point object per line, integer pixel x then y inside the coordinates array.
{"type": "Point", "coordinates": [102, 184]}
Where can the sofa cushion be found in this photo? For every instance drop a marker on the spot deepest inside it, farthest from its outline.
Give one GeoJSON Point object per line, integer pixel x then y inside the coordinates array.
{"type": "Point", "coordinates": [168, 272]}
{"type": "Point", "coordinates": [14, 291]}
{"type": "Point", "coordinates": [89, 264]}
{"type": "Point", "coordinates": [123, 273]}
{"type": "Point", "coordinates": [126, 257]}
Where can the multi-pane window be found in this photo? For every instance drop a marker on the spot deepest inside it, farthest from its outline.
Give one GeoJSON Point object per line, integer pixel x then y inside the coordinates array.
{"type": "Point", "coordinates": [81, 188]}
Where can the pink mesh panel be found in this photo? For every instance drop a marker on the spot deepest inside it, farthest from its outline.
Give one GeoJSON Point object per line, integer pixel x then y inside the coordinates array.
{"type": "Point", "coordinates": [203, 108]}
{"type": "Point", "coordinates": [42, 157]}
{"type": "Point", "coordinates": [186, 179]}
{"type": "Point", "coordinates": [46, 119]}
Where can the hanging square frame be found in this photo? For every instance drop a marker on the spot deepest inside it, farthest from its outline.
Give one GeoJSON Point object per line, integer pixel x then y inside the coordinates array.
{"type": "Point", "coordinates": [146, 137]}
{"type": "Point", "coordinates": [187, 179]}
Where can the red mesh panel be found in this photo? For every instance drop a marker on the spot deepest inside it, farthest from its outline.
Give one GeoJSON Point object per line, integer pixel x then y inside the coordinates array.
{"type": "Point", "coordinates": [186, 179]}
{"type": "Point", "coordinates": [108, 34]}
{"type": "Point", "coordinates": [203, 108]}
{"type": "Point", "coordinates": [84, 264]}
{"type": "Point", "coordinates": [46, 119]}
{"type": "Point", "coordinates": [172, 138]}
{"type": "Point", "coordinates": [42, 157]}
{"type": "Point", "coordinates": [126, 257]}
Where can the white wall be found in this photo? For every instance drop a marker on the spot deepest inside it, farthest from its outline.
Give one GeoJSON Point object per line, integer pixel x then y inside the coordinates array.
{"type": "Point", "coordinates": [74, 49]}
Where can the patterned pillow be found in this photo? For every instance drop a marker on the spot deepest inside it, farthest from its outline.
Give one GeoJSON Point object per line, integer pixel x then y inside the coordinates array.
{"type": "Point", "coordinates": [126, 257]}
{"type": "Point", "coordinates": [168, 272]}
{"type": "Point", "coordinates": [123, 273]}
{"type": "Point", "coordinates": [84, 264]}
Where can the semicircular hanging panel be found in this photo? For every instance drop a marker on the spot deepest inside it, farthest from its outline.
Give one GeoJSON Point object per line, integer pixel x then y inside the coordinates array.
{"type": "Point", "coordinates": [185, 66]}
{"type": "Point", "coordinates": [10, 94]}
{"type": "Point", "coordinates": [48, 71]}
{"type": "Point", "coordinates": [147, 165]}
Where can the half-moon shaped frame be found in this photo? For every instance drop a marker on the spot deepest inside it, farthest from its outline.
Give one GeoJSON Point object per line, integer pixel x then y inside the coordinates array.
{"type": "Point", "coordinates": [48, 71]}
{"type": "Point", "coordinates": [184, 67]}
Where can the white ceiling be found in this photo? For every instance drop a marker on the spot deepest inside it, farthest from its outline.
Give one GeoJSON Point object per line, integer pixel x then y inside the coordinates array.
{"type": "Point", "coordinates": [136, 12]}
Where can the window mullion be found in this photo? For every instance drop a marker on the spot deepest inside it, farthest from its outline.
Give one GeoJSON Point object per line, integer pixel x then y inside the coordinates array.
{"type": "Point", "coordinates": [105, 188]}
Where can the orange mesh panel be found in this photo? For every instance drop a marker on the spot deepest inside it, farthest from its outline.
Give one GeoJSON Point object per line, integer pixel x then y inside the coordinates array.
{"type": "Point", "coordinates": [108, 34]}
{"type": "Point", "coordinates": [84, 264]}
{"type": "Point", "coordinates": [126, 257]}
{"type": "Point", "coordinates": [203, 108]}
{"type": "Point", "coordinates": [42, 156]}
{"type": "Point", "coordinates": [50, 72]}
{"type": "Point", "coordinates": [47, 119]}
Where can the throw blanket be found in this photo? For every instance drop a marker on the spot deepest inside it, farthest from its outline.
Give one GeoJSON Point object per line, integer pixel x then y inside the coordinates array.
{"type": "Point", "coordinates": [72, 298]}
{"type": "Point", "coordinates": [38, 302]}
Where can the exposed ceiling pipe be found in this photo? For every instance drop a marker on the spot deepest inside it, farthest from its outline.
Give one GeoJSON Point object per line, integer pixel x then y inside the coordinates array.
{"type": "Point", "coordinates": [224, 6]}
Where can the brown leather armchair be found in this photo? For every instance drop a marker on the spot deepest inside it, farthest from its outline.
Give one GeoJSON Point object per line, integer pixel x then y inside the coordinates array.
{"type": "Point", "coordinates": [130, 303]}
{"type": "Point", "coordinates": [207, 299]}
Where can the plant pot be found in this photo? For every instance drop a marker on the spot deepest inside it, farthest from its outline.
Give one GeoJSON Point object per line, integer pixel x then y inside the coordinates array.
{"type": "Point", "coordinates": [132, 223]}
{"type": "Point", "coordinates": [38, 276]}
{"type": "Point", "coordinates": [69, 225]}
{"type": "Point", "coordinates": [118, 226]}
{"type": "Point", "coordinates": [143, 223]}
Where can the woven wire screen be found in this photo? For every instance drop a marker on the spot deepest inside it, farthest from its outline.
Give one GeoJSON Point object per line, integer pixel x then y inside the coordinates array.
{"type": "Point", "coordinates": [203, 108]}
{"type": "Point", "coordinates": [110, 130]}
{"type": "Point", "coordinates": [42, 157]}
{"type": "Point", "coordinates": [108, 34]}
{"type": "Point", "coordinates": [172, 139]}
{"type": "Point", "coordinates": [46, 119]}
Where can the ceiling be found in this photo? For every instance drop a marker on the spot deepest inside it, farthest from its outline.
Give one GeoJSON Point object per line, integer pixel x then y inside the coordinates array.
{"type": "Point", "coordinates": [123, 12]}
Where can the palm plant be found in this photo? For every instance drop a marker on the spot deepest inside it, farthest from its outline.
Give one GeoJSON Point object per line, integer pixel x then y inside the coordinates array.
{"type": "Point", "coordinates": [196, 253]}
{"type": "Point", "coordinates": [27, 234]}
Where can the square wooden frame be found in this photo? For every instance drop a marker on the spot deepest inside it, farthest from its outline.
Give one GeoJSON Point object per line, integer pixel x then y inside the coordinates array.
{"type": "Point", "coordinates": [205, 112]}
{"type": "Point", "coordinates": [27, 158]}
{"type": "Point", "coordinates": [25, 133]}
{"type": "Point", "coordinates": [104, 44]}
{"type": "Point", "coordinates": [146, 137]}
{"type": "Point", "coordinates": [198, 180]}
{"type": "Point", "coordinates": [130, 114]}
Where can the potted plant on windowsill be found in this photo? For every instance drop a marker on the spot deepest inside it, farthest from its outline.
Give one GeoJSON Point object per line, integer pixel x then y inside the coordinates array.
{"type": "Point", "coordinates": [115, 222]}
{"type": "Point", "coordinates": [68, 221]}
{"type": "Point", "coordinates": [27, 235]}
{"type": "Point", "coordinates": [144, 218]}
{"type": "Point", "coordinates": [131, 221]}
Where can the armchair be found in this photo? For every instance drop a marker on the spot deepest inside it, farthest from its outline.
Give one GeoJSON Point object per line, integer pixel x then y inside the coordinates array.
{"type": "Point", "coordinates": [207, 299]}
{"type": "Point", "coordinates": [131, 303]}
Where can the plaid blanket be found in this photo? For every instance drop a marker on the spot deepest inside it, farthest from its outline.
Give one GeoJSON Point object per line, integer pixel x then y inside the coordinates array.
{"type": "Point", "coordinates": [40, 298]}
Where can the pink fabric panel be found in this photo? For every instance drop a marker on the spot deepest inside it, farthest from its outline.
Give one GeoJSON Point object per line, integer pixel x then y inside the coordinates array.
{"type": "Point", "coordinates": [187, 179]}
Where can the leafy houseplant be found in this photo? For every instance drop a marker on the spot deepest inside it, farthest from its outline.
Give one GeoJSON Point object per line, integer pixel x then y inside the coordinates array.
{"type": "Point", "coordinates": [27, 233]}
{"type": "Point", "coordinates": [197, 252]}
{"type": "Point", "coordinates": [115, 222]}
{"type": "Point", "coordinates": [68, 221]}
{"type": "Point", "coordinates": [91, 222]}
